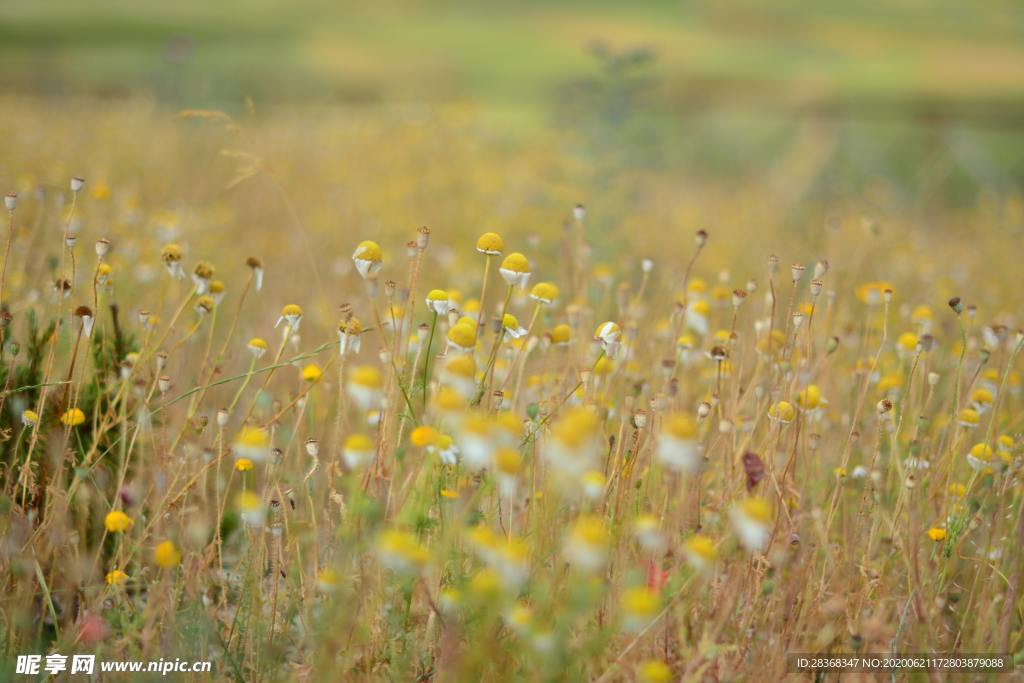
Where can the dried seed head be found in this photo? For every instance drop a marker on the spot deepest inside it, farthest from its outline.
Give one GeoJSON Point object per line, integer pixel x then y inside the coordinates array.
{"type": "Point", "coordinates": [77, 184]}
{"type": "Point", "coordinates": [411, 249]}
{"type": "Point", "coordinates": [816, 285]}
{"type": "Point", "coordinates": [887, 295]}
{"type": "Point", "coordinates": [738, 295]}
{"type": "Point", "coordinates": [703, 410]}
{"type": "Point", "coordinates": [701, 238]}
{"type": "Point", "coordinates": [312, 447]}
{"type": "Point", "coordinates": [423, 237]}
{"type": "Point", "coordinates": [883, 406]}
{"type": "Point", "coordinates": [647, 265]}
{"type": "Point", "coordinates": [102, 247]}
{"type": "Point", "coordinates": [956, 305]}
{"type": "Point", "coordinates": [222, 417]}
{"type": "Point", "coordinates": [163, 384]}
{"type": "Point", "coordinates": [11, 201]}
{"type": "Point", "coordinates": [161, 360]}
{"type": "Point", "coordinates": [773, 264]}
{"type": "Point", "coordinates": [640, 419]}
{"type": "Point", "coordinates": [933, 378]}
{"type": "Point", "coordinates": [796, 271]}
{"type": "Point", "coordinates": [256, 264]}
{"type": "Point", "coordinates": [579, 213]}
{"type": "Point", "coordinates": [820, 268]}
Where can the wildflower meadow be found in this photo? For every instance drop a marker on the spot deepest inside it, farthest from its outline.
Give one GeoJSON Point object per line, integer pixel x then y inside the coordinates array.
{"type": "Point", "coordinates": [325, 394]}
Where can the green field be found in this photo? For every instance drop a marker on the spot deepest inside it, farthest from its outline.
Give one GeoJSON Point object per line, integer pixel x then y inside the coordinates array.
{"type": "Point", "coordinates": [795, 54]}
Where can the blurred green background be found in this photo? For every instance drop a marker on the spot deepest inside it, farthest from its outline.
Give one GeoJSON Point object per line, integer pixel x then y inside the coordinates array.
{"type": "Point", "coordinates": [927, 94]}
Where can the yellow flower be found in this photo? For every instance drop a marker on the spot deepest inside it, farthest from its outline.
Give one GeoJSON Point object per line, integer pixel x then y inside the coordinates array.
{"type": "Point", "coordinates": [167, 555]}
{"type": "Point", "coordinates": [809, 398]}
{"type": "Point", "coordinates": [560, 334]}
{"type": "Point", "coordinates": [117, 522]}
{"type": "Point", "coordinates": [438, 302]}
{"type": "Point", "coordinates": [921, 314]}
{"type": "Point", "coordinates": [873, 292]}
{"type": "Point", "coordinates": [368, 259]}
{"type": "Point", "coordinates": [654, 671]}
{"type": "Point", "coordinates": [981, 399]}
{"type": "Point", "coordinates": [250, 508]}
{"type": "Point", "coordinates": [608, 332]}
{"type": "Point", "coordinates": [291, 315]}
{"type": "Point", "coordinates": [490, 243]}
{"type": "Point", "coordinates": [507, 461]}
{"type": "Point", "coordinates": [170, 253]}
{"type": "Point", "coordinates": [907, 342]}
{"type": "Point", "coordinates": [968, 418]}
{"type": "Point", "coordinates": [29, 417]}
{"type": "Point", "coordinates": [515, 269]}
{"type": "Point", "coordinates": [257, 346]}
{"type": "Point", "coordinates": [701, 551]}
{"type": "Point", "coordinates": [423, 435]}
{"type": "Point", "coordinates": [252, 443]}
{"type": "Point", "coordinates": [485, 584]}
{"type": "Point", "coordinates": [366, 376]}
{"type": "Point", "coordinates": [603, 366]}
{"type": "Point", "coordinates": [757, 509]}
{"type": "Point", "coordinates": [400, 551]}
{"type": "Point", "coordinates": [937, 534]}
{"type": "Point", "coordinates": [462, 336]}
{"type": "Point", "coordinates": [368, 250]}
{"type": "Point", "coordinates": [116, 577]}
{"type": "Point", "coordinates": [72, 418]}
{"type": "Point", "coordinates": [357, 451]}
{"type": "Point", "coordinates": [243, 465]}
{"type": "Point", "coordinates": [782, 411]}
{"type": "Point", "coordinates": [311, 372]}
{"type": "Point", "coordinates": [680, 426]}
{"type": "Point", "coordinates": [544, 292]}
{"type": "Point", "coordinates": [639, 605]}
{"type": "Point", "coordinates": [448, 400]}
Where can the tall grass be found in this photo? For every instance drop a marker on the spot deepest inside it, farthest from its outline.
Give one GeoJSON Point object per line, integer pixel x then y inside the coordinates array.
{"type": "Point", "coordinates": [253, 413]}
